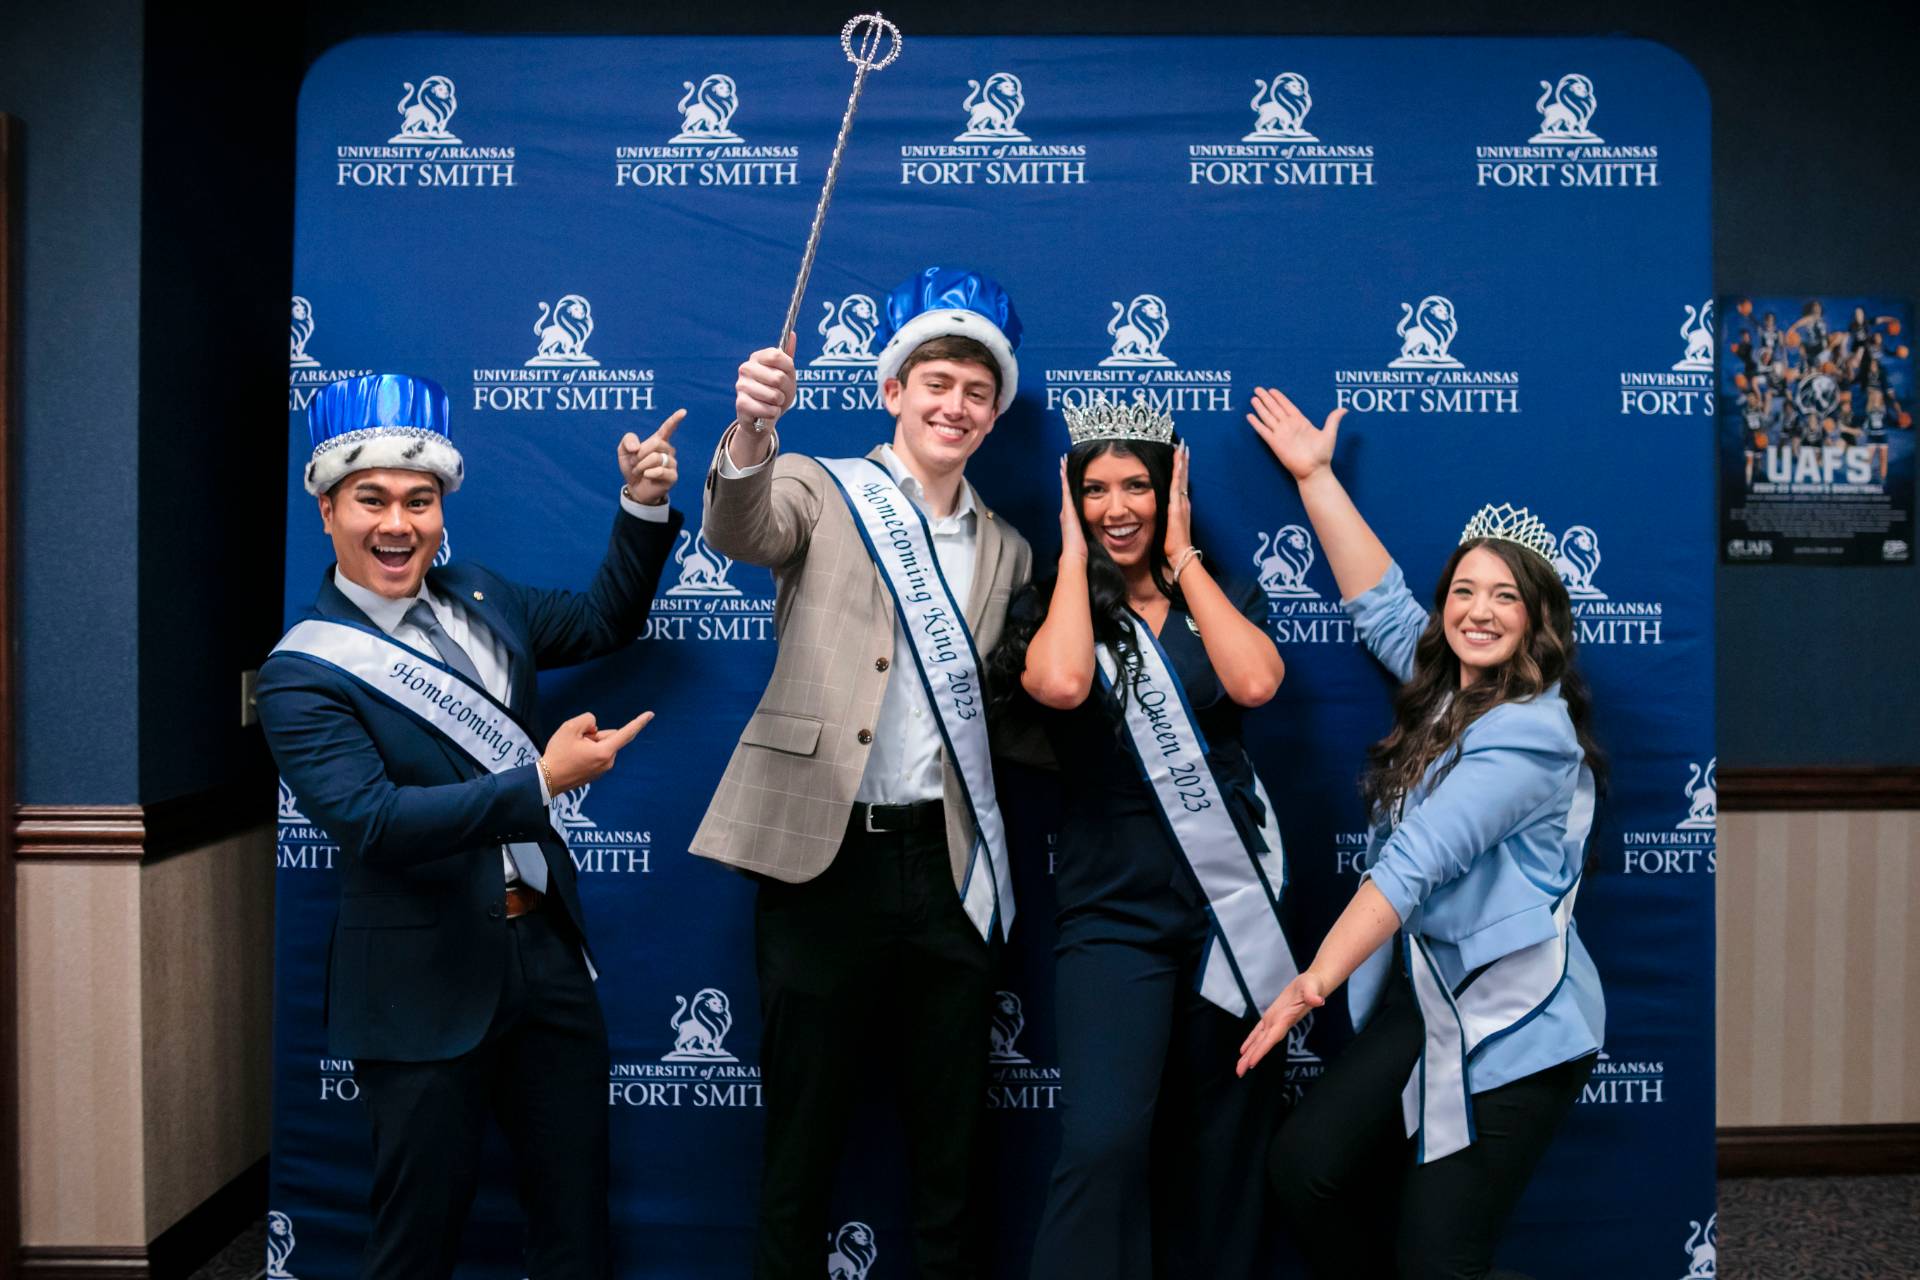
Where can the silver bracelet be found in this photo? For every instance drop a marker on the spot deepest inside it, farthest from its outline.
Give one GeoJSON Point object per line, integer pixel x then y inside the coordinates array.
{"type": "Point", "coordinates": [1185, 558]}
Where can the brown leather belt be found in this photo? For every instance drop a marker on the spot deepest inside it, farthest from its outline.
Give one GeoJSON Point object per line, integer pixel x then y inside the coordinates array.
{"type": "Point", "coordinates": [521, 900]}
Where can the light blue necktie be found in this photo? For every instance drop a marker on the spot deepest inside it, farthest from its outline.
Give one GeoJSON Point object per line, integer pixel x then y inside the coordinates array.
{"type": "Point", "coordinates": [527, 858]}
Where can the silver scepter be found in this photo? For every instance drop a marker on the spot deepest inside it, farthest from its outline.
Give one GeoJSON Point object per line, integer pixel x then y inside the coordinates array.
{"type": "Point", "coordinates": [874, 34]}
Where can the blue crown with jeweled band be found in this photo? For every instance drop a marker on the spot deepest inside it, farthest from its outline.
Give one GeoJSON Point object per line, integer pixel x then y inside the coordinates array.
{"type": "Point", "coordinates": [950, 302]}
{"type": "Point", "coordinates": [1106, 420]}
{"type": "Point", "coordinates": [380, 420]}
{"type": "Point", "coordinates": [1509, 523]}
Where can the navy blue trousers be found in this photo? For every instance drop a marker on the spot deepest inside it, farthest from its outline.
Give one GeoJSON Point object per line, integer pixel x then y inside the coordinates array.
{"type": "Point", "coordinates": [541, 1075]}
{"type": "Point", "coordinates": [1161, 1167]}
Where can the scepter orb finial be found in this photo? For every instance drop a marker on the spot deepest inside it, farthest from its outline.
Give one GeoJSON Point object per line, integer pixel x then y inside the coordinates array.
{"type": "Point", "coordinates": [872, 33]}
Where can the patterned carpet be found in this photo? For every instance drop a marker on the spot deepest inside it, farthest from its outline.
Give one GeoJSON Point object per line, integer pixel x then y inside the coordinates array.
{"type": "Point", "coordinates": [1768, 1229]}
{"type": "Point", "coordinates": [1820, 1228]}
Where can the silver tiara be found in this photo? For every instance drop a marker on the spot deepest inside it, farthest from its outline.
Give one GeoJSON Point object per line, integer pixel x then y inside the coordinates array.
{"type": "Point", "coordinates": [1105, 420]}
{"type": "Point", "coordinates": [1513, 524]}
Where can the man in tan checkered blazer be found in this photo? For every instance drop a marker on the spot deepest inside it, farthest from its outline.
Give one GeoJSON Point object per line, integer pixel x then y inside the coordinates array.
{"type": "Point", "coordinates": [841, 800]}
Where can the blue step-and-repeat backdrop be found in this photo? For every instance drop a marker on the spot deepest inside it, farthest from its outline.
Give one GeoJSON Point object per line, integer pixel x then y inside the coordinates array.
{"type": "Point", "coordinates": [1495, 252]}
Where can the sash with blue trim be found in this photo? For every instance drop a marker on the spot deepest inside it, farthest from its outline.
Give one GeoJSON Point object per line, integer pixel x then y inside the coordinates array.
{"type": "Point", "coordinates": [444, 703]}
{"type": "Point", "coordinates": [1248, 961]}
{"type": "Point", "coordinates": [1498, 999]}
{"type": "Point", "coordinates": [901, 544]}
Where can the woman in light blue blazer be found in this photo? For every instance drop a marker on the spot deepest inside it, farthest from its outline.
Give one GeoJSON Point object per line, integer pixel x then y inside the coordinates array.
{"type": "Point", "coordinates": [1478, 1010]}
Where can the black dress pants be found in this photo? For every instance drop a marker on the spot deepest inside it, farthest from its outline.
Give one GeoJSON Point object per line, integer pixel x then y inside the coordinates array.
{"type": "Point", "coordinates": [873, 960]}
{"type": "Point", "coordinates": [1343, 1173]}
{"type": "Point", "coordinates": [541, 1074]}
{"type": "Point", "coordinates": [1161, 1144]}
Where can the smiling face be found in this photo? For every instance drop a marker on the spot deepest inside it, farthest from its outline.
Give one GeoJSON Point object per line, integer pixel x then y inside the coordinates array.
{"type": "Point", "coordinates": [943, 412]}
{"type": "Point", "coordinates": [1485, 618]}
{"type": "Point", "coordinates": [1118, 505]}
{"type": "Point", "coordinates": [385, 525]}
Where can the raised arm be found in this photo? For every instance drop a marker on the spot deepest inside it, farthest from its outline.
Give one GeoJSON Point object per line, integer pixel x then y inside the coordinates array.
{"type": "Point", "coordinates": [1241, 652]}
{"type": "Point", "coordinates": [1059, 669]}
{"type": "Point", "coordinates": [750, 513]}
{"type": "Point", "coordinates": [1355, 555]}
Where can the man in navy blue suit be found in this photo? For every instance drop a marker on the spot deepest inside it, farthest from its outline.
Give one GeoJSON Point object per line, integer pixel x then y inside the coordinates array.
{"type": "Point", "coordinates": [402, 711]}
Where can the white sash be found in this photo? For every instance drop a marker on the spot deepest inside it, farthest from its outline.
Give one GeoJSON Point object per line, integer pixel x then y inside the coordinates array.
{"type": "Point", "coordinates": [1506, 995]}
{"type": "Point", "coordinates": [424, 688]}
{"type": "Point", "coordinates": [1248, 961]}
{"type": "Point", "coordinates": [901, 545]}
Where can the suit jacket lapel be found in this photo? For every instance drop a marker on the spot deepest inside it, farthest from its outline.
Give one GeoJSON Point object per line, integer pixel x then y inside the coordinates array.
{"type": "Point", "coordinates": [986, 560]}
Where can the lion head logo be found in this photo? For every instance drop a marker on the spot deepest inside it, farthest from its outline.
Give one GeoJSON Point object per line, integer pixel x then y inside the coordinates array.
{"type": "Point", "coordinates": [1577, 558]}
{"type": "Point", "coordinates": [1297, 1048]}
{"type": "Point", "coordinates": [1425, 333]}
{"type": "Point", "coordinates": [1008, 1022]}
{"type": "Point", "coordinates": [703, 570]}
{"type": "Point", "coordinates": [699, 1027]}
{"type": "Point", "coordinates": [1137, 330]}
{"type": "Point", "coordinates": [425, 111]}
{"type": "Point", "coordinates": [850, 1252]}
{"type": "Point", "coordinates": [279, 1245]}
{"type": "Point", "coordinates": [302, 330]}
{"type": "Point", "coordinates": [1283, 563]}
{"type": "Point", "coordinates": [992, 109]}
{"type": "Point", "coordinates": [289, 805]}
{"type": "Point", "coordinates": [848, 329]}
{"type": "Point", "coordinates": [563, 330]}
{"type": "Point", "coordinates": [567, 807]}
{"type": "Point", "coordinates": [1817, 397]}
{"type": "Point", "coordinates": [1697, 331]}
{"type": "Point", "coordinates": [1280, 109]}
{"type": "Point", "coordinates": [1703, 1250]}
{"type": "Point", "coordinates": [1565, 109]}
{"type": "Point", "coordinates": [707, 110]}
{"type": "Point", "coordinates": [1703, 797]}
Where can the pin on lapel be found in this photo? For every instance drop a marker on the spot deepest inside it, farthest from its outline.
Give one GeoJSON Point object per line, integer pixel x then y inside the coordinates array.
{"type": "Point", "coordinates": [479, 595]}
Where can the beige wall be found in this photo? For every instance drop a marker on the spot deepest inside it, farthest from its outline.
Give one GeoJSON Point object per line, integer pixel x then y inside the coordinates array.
{"type": "Point", "coordinates": [1819, 968]}
{"type": "Point", "coordinates": [81, 1138]}
{"type": "Point", "coordinates": [145, 1036]}
{"type": "Point", "coordinates": [206, 996]}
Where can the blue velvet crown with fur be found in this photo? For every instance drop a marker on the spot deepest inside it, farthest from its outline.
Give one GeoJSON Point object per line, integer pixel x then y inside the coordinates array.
{"type": "Point", "coordinates": [942, 302]}
{"type": "Point", "coordinates": [380, 420]}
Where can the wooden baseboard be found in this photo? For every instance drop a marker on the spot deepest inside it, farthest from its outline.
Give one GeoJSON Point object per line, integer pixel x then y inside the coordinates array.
{"type": "Point", "coordinates": [175, 1253]}
{"type": "Point", "coordinates": [1837, 787]}
{"type": "Point", "coordinates": [83, 1262]}
{"type": "Point", "coordinates": [142, 833]}
{"type": "Point", "coordinates": [1813, 1150]}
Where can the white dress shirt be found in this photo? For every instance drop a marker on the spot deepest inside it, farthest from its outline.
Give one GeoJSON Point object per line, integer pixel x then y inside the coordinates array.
{"type": "Point", "coordinates": [905, 763]}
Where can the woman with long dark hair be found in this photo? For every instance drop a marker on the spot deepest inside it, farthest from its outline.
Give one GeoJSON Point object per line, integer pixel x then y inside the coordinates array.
{"type": "Point", "coordinates": [1478, 1010]}
{"type": "Point", "coordinates": [1167, 871]}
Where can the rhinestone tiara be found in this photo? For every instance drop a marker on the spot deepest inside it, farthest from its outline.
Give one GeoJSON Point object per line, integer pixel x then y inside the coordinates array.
{"type": "Point", "coordinates": [1513, 524]}
{"type": "Point", "coordinates": [1106, 420]}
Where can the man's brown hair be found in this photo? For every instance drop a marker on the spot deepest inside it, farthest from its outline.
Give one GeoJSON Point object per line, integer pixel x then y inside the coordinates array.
{"type": "Point", "coordinates": [956, 348]}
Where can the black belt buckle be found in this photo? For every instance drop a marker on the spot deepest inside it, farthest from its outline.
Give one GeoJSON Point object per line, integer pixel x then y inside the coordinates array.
{"type": "Point", "coordinates": [895, 819]}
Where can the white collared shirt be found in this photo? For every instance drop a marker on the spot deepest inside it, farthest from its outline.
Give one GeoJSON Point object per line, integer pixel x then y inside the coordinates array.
{"type": "Point", "coordinates": [905, 763]}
